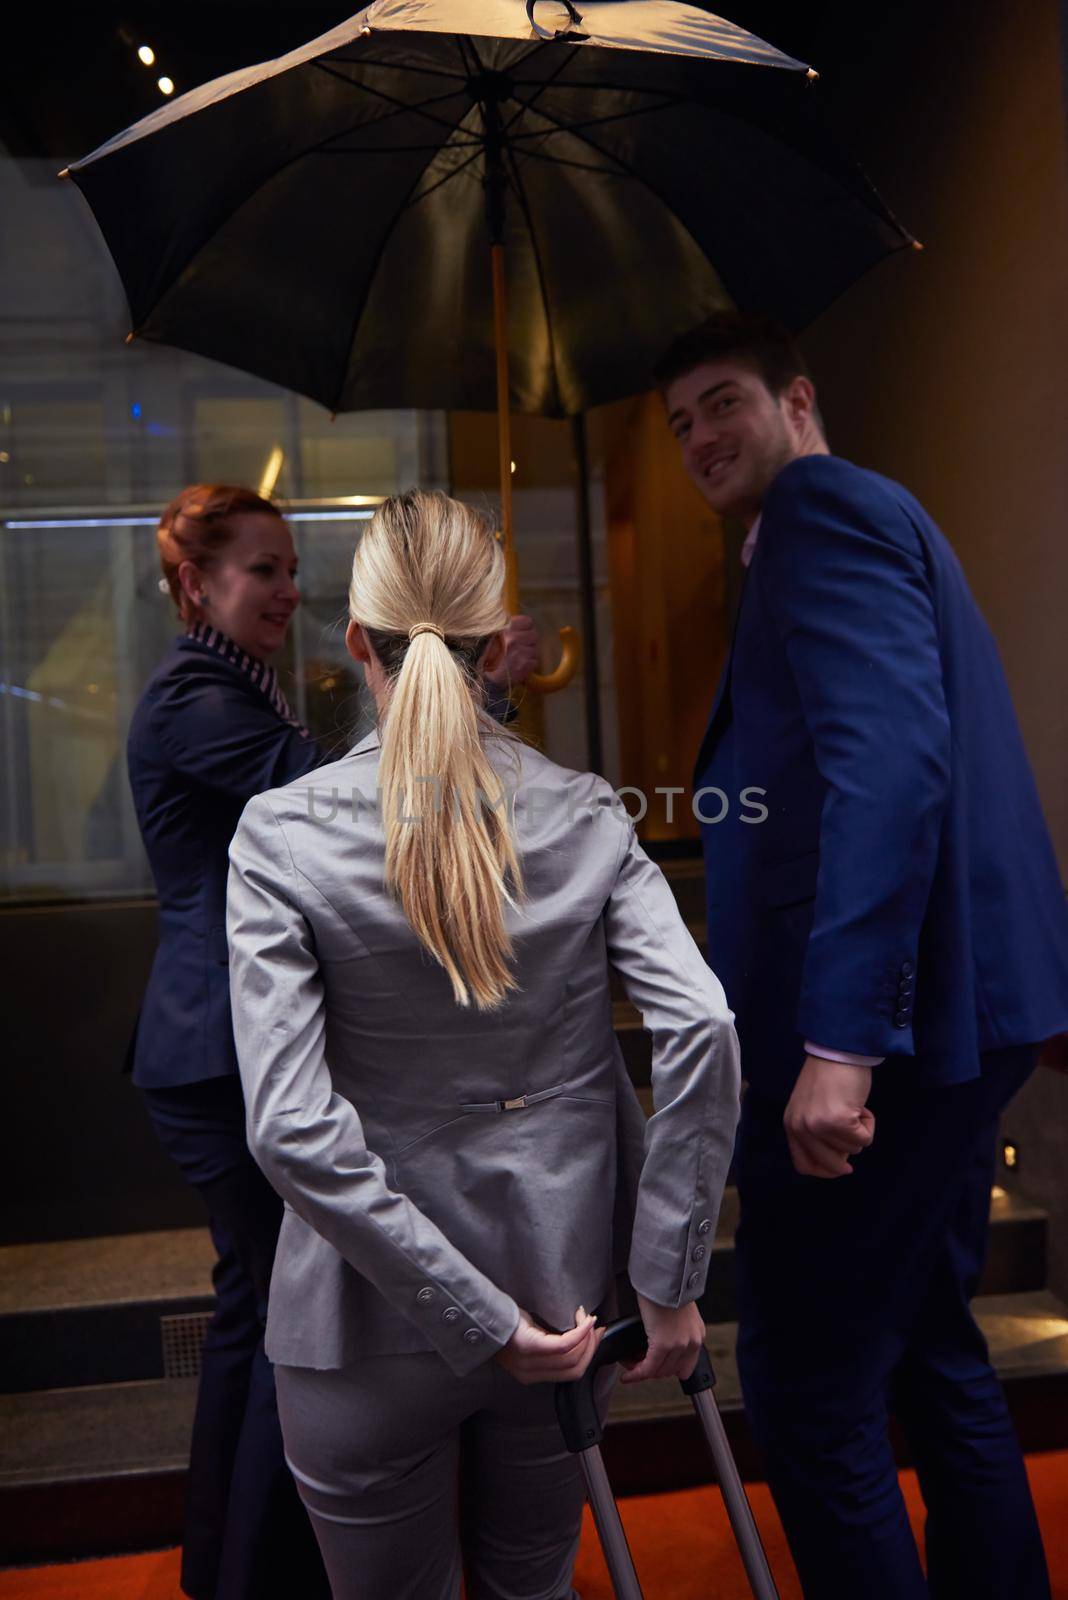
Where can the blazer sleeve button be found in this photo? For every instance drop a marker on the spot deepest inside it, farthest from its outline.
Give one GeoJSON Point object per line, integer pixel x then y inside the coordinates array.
{"type": "Point", "coordinates": [907, 969]}
{"type": "Point", "coordinates": [901, 1020]}
{"type": "Point", "coordinates": [451, 1314]}
{"type": "Point", "coordinates": [425, 1296]}
{"type": "Point", "coordinates": [705, 1225]}
{"type": "Point", "coordinates": [698, 1253]}
{"type": "Point", "coordinates": [472, 1336]}
{"type": "Point", "coordinates": [693, 1280]}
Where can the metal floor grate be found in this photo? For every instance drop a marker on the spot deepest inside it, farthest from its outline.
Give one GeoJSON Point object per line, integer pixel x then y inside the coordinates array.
{"type": "Point", "coordinates": [183, 1338]}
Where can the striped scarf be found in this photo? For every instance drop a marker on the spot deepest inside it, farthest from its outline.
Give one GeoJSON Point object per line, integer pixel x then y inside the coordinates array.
{"type": "Point", "coordinates": [258, 672]}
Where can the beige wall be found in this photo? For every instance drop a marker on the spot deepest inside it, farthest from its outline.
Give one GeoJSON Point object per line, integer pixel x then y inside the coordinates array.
{"type": "Point", "coordinates": [949, 369]}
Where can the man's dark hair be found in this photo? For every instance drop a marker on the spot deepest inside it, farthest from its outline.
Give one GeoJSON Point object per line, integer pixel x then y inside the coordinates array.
{"type": "Point", "coordinates": [764, 344]}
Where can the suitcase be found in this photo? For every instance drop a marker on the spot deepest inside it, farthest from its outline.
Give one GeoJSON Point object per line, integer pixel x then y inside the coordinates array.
{"type": "Point", "coordinates": [582, 1430]}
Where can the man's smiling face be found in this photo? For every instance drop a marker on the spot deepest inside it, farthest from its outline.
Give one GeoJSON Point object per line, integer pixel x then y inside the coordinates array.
{"type": "Point", "coordinates": [735, 435]}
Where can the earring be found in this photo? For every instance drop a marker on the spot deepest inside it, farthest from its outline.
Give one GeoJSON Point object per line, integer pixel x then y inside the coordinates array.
{"type": "Point", "coordinates": [202, 600]}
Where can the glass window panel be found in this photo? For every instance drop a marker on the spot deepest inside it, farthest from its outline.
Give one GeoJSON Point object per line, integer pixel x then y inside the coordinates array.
{"type": "Point", "coordinates": [67, 672]}
{"type": "Point", "coordinates": [330, 682]}
{"type": "Point", "coordinates": [233, 439]}
{"type": "Point", "coordinates": [368, 452]}
{"type": "Point", "coordinates": [53, 450]}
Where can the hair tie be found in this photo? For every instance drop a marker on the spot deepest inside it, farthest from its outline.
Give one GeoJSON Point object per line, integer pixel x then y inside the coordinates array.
{"type": "Point", "coordinates": [425, 627]}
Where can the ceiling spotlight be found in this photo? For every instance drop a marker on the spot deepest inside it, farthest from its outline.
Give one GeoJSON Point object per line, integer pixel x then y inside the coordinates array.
{"type": "Point", "coordinates": [165, 86]}
{"type": "Point", "coordinates": [146, 55]}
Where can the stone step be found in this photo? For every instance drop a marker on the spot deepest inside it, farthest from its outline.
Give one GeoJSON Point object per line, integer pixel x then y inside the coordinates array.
{"type": "Point", "coordinates": [101, 1469]}
{"type": "Point", "coordinates": [99, 1311]}
{"type": "Point", "coordinates": [1015, 1262]}
{"type": "Point", "coordinates": [95, 1311]}
{"type": "Point", "coordinates": [654, 1442]}
{"type": "Point", "coordinates": [94, 1471]}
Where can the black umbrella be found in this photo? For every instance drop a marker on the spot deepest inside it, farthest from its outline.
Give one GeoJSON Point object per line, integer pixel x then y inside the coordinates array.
{"type": "Point", "coordinates": [324, 220]}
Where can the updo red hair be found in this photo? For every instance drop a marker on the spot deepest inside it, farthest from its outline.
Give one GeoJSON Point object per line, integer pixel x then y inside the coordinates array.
{"type": "Point", "coordinates": [197, 525]}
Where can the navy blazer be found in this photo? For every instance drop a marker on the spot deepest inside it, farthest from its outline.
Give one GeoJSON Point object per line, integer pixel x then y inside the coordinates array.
{"type": "Point", "coordinates": [205, 737]}
{"type": "Point", "coordinates": [901, 896]}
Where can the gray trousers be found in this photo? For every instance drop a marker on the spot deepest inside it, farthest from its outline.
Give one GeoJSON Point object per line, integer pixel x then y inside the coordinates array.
{"type": "Point", "coordinates": [412, 1476]}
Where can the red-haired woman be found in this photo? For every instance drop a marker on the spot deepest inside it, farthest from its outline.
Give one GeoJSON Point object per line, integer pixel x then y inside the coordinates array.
{"type": "Point", "coordinates": [211, 729]}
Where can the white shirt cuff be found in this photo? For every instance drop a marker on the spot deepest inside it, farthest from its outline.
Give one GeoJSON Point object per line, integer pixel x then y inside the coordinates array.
{"type": "Point", "coordinates": [844, 1056]}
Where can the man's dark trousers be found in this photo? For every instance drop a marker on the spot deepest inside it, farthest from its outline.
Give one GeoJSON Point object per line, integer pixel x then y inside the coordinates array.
{"type": "Point", "coordinates": [854, 1302]}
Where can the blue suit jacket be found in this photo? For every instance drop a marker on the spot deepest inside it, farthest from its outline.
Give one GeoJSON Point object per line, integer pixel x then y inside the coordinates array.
{"type": "Point", "coordinates": [203, 740]}
{"type": "Point", "coordinates": [901, 898]}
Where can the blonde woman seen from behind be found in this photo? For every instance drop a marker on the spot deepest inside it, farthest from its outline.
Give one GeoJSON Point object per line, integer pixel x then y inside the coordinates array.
{"type": "Point", "coordinates": [420, 941]}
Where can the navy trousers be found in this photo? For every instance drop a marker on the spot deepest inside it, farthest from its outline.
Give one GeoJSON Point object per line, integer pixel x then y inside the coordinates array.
{"type": "Point", "coordinates": [247, 1536]}
{"type": "Point", "coordinates": [854, 1304]}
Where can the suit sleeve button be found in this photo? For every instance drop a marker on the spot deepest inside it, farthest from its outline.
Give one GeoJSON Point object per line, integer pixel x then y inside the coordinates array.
{"type": "Point", "coordinates": [698, 1253]}
{"type": "Point", "coordinates": [907, 969]}
{"type": "Point", "coordinates": [451, 1314]}
{"type": "Point", "coordinates": [693, 1280]}
{"type": "Point", "coordinates": [472, 1336]}
{"type": "Point", "coordinates": [425, 1296]}
{"type": "Point", "coordinates": [705, 1225]}
{"type": "Point", "coordinates": [901, 1020]}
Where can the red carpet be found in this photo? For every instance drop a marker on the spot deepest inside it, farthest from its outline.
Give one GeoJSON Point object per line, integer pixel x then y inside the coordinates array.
{"type": "Point", "coordinates": [680, 1542]}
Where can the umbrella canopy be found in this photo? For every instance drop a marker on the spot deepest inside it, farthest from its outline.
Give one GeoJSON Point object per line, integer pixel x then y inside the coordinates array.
{"type": "Point", "coordinates": [321, 220]}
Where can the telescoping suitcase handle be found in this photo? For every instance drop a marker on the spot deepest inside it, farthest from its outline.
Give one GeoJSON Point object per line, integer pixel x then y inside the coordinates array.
{"type": "Point", "coordinates": [583, 1432]}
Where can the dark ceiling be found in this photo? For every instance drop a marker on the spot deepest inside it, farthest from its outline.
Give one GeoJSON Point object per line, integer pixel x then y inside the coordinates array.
{"type": "Point", "coordinates": [71, 81]}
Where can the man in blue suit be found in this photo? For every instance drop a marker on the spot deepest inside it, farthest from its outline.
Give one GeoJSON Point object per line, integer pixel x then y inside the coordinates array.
{"type": "Point", "coordinates": [893, 937]}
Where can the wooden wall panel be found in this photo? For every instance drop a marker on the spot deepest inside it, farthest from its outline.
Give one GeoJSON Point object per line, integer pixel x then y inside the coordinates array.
{"type": "Point", "coordinates": [666, 563]}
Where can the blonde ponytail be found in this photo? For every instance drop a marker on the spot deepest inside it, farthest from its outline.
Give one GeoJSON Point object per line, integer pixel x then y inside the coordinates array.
{"type": "Point", "coordinates": [427, 586]}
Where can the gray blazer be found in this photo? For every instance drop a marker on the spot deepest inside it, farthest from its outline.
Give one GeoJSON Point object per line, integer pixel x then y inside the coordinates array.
{"type": "Point", "coordinates": [443, 1167]}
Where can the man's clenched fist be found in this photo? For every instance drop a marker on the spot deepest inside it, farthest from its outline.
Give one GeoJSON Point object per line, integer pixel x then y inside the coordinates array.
{"type": "Point", "coordinates": [827, 1119]}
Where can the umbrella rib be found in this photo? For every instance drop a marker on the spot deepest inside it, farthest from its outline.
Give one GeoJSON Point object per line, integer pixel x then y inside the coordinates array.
{"type": "Point", "coordinates": [537, 49]}
{"type": "Point", "coordinates": [528, 217]}
{"type": "Point", "coordinates": [615, 88]}
{"type": "Point", "coordinates": [358, 317]}
{"type": "Point", "coordinates": [463, 44]}
{"type": "Point", "coordinates": [404, 206]}
{"type": "Point", "coordinates": [397, 149]}
{"type": "Point", "coordinates": [625, 167]}
{"type": "Point", "coordinates": [318, 149]}
{"type": "Point", "coordinates": [526, 105]}
{"type": "Point", "coordinates": [597, 122]}
{"type": "Point", "coordinates": [607, 155]}
{"type": "Point", "coordinates": [455, 173]}
{"type": "Point", "coordinates": [395, 66]}
{"type": "Point", "coordinates": [401, 105]}
{"type": "Point", "coordinates": [631, 172]}
{"type": "Point", "coordinates": [577, 166]}
{"type": "Point", "coordinates": [323, 145]}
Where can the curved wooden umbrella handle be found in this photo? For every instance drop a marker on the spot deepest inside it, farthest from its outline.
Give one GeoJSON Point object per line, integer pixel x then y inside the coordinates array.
{"type": "Point", "coordinates": [562, 674]}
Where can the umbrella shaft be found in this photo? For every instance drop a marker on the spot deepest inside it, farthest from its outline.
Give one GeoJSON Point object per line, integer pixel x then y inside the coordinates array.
{"type": "Point", "coordinates": [504, 431]}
